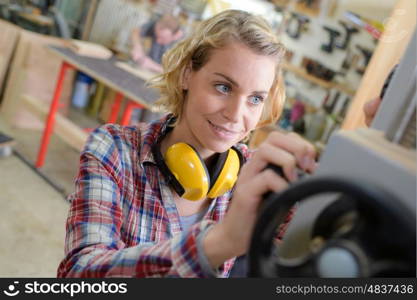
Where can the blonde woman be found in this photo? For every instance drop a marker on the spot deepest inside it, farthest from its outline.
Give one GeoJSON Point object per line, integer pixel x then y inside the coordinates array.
{"type": "Point", "coordinates": [128, 217]}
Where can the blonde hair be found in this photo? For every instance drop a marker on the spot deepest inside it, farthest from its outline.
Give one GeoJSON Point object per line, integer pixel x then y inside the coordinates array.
{"type": "Point", "coordinates": [215, 33]}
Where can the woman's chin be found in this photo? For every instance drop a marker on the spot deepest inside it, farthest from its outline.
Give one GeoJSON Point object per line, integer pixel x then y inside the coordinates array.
{"type": "Point", "coordinates": [221, 147]}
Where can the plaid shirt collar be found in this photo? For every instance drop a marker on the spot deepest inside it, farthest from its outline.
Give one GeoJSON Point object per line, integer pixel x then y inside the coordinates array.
{"type": "Point", "coordinates": [153, 131]}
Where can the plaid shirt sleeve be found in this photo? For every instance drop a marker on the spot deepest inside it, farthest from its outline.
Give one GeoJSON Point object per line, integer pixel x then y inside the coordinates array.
{"type": "Point", "coordinates": [94, 247]}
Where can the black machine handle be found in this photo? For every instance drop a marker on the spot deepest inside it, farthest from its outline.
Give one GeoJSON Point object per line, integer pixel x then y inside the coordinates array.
{"type": "Point", "coordinates": [396, 241]}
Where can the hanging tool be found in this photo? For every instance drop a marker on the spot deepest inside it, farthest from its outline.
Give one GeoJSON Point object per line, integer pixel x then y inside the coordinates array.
{"type": "Point", "coordinates": [330, 103]}
{"type": "Point", "coordinates": [367, 56]}
{"type": "Point", "coordinates": [348, 61]}
{"type": "Point", "coordinates": [333, 35]}
{"type": "Point", "coordinates": [350, 30]}
{"type": "Point", "coordinates": [297, 24]}
{"type": "Point", "coordinates": [319, 70]}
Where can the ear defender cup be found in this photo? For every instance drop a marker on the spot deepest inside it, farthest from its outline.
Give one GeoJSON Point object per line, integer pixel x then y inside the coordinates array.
{"type": "Point", "coordinates": [190, 171]}
{"type": "Point", "coordinates": [225, 174]}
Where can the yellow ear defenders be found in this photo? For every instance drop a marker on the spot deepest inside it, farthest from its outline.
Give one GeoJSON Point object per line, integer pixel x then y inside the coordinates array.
{"type": "Point", "coordinates": [186, 172]}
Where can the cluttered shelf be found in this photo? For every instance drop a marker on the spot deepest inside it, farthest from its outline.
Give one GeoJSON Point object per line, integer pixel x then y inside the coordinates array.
{"type": "Point", "coordinates": [323, 83]}
{"type": "Point", "coordinates": [303, 73]}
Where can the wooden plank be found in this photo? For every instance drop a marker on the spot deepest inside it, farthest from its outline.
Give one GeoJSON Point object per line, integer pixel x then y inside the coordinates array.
{"type": "Point", "coordinates": [8, 41]}
{"type": "Point", "coordinates": [139, 72]}
{"type": "Point", "coordinates": [393, 42]}
{"type": "Point", "coordinates": [33, 71]}
{"type": "Point", "coordinates": [89, 20]}
{"type": "Point", "coordinates": [15, 81]}
{"type": "Point", "coordinates": [71, 133]}
{"type": "Point", "coordinates": [260, 134]}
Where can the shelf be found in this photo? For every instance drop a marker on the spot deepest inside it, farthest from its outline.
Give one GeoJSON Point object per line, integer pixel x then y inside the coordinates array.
{"type": "Point", "coordinates": [305, 10]}
{"type": "Point", "coordinates": [344, 89]}
{"type": "Point", "coordinates": [323, 83]}
{"type": "Point", "coordinates": [297, 8]}
{"type": "Point", "coordinates": [303, 73]}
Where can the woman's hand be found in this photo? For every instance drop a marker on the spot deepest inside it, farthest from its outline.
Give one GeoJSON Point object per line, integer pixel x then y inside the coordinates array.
{"type": "Point", "coordinates": [233, 234]}
{"type": "Point", "coordinates": [370, 108]}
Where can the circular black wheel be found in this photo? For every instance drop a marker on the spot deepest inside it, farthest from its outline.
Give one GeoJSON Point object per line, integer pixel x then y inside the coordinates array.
{"type": "Point", "coordinates": [367, 232]}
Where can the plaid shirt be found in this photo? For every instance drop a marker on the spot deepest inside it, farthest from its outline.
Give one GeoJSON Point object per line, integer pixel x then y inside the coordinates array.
{"type": "Point", "coordinates": [123, 221]}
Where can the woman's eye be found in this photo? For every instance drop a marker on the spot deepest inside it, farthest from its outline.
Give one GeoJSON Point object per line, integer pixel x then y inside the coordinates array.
{"type": "Point", "coordinates": [256, 100]}
{"type": "Point", "coordinates": [222, 88]}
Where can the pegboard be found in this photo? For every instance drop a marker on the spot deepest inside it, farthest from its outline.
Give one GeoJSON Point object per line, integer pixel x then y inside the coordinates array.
{"type": "Point", "coordinates": [115, 19]}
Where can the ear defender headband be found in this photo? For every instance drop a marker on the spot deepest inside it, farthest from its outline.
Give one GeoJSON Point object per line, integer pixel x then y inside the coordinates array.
{"type": "Point", "coordinates": [185, 170]}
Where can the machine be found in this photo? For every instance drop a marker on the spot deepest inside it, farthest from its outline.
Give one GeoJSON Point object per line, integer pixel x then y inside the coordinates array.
{"type": "Point", "coordinates": [356, 216]}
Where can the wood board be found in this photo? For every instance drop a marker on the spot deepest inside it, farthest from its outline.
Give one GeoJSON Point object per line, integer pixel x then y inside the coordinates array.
{"type": "Point", "coordinates": [33, 71]}
{"type": "Point", "coordinates": [8, 40]}
{"type": "Point", "coordinates": [67, 130]}
{"type": "Point", "coordinates": [139, 72]}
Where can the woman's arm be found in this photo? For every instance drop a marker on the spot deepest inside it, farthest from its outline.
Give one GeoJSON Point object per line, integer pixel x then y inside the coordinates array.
{"type": "Point", "coordinates": [94, 245]}
{"type": "Point", "coordinates": [231, 237]}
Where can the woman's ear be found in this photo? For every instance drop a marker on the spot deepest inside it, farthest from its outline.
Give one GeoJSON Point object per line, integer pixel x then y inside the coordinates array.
{"type": "Point", "coordinates": [186, 74]}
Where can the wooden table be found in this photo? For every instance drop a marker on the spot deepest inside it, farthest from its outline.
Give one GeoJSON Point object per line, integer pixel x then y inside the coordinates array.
{"type": "Point", "coordinates": [105, 71]}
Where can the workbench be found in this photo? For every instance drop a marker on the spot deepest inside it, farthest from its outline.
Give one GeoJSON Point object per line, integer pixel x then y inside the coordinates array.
{"type": "Point", "coordinates": [125, 83]}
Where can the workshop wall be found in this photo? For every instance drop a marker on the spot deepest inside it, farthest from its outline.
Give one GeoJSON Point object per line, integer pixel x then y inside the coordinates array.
{"type": "Point", "coordinates": [125, 15]}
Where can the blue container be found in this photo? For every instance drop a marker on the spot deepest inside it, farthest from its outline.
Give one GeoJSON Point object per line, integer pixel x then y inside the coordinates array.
{"type": "Point", "coordinates": [81, 93]}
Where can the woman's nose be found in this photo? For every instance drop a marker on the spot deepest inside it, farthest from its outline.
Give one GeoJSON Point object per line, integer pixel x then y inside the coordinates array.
{"type": "Point", "coordinates": [234, 109]}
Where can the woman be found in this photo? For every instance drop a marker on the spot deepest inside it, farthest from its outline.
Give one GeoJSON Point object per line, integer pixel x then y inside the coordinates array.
{"type": "Point", "coordinates": [126, 220]}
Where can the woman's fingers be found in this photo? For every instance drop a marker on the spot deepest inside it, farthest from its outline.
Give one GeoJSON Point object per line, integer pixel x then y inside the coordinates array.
{"type": "Point", "coordinates": [255, 180]}
{"type": "Point", "coordinates": [285, 150]}
{"type": "Point", "coordinates": [370, 108]}
{"type": "Point", "coordinates": [254, 189]}
{"type": "Point", "coordinates": [269, 154]}
{"type": "Point", "coordinates": [304, 151]}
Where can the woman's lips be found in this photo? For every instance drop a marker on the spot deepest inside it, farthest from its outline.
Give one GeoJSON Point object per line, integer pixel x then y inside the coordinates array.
{"type": "Point", "coordinates": [223, 132]}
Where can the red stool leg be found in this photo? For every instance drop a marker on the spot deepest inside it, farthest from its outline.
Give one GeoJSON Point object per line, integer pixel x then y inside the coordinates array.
{"type": "Point", "coordinates": [49, 127]}
{"type": "Point", "coordinates": [127, 115]}
{"type": "Point", "coordinates": [115, 108]}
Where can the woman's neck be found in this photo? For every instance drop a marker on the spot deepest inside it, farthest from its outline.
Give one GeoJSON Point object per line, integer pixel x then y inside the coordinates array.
{"type": "Point", "coordinates": [181, 134]}
{"type": "Point", "coordinates": [187, 208]}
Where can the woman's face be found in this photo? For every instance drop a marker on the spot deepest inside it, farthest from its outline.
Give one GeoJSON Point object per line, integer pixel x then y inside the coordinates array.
{"type": "Point", "coordinates": [225, 97]}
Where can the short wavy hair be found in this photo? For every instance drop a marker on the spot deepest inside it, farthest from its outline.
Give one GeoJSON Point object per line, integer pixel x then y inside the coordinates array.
{"type": "Point", "coordinates": [214, 33]}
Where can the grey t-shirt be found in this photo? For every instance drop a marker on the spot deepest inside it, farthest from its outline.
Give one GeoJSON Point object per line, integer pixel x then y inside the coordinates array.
{"type": "Point", "coordinates": [188, 221]}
